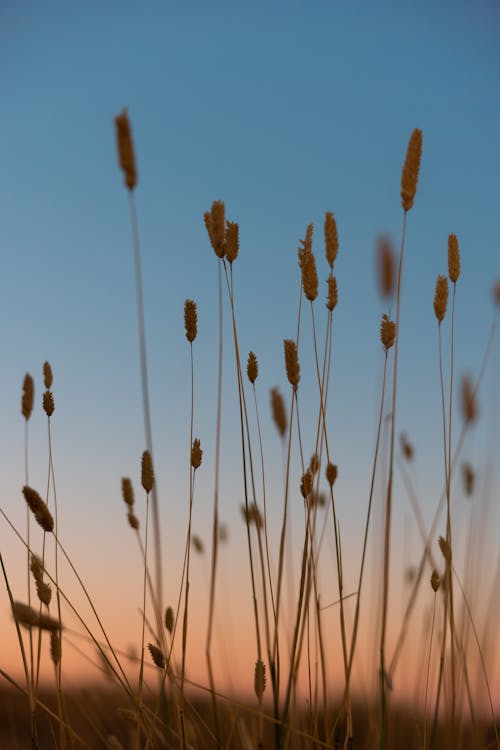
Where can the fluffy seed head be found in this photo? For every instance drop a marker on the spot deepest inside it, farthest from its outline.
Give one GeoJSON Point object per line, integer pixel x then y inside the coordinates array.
{"type": "Point", "coordinates": [332, 293]}
{"type": "Point", "coordinates": [125, 149]}
{"type": "Point", "coordinates": [252, 367]}
{"type": "Point", "coordinates": [190, 320]}
{"type": "Point", "coordinates": [214, 222]}
{"type": "Point", "coordinates": [128, 492]}
{"type": "Point", "coordinates": [441, 297]}
{"type": "Point", "coordinates": [48, 403]}
{"type": "Point", "coordinates": [468, 478]}
{"type": "Point", "coordinates": [157, 655]}
{"type": "Point", "coordinates": [468, 398]}
{"type": "Point", "coordinates": [169, 619]}
{"type": "Point", "coordinates": [314, 464]}
{"type": "Point", "coordinates": [306, 484]}
{"type": "Point", "coordinates": [331, 474]}
{"type": "Point", "coordinates": [292, 363]}
{"type": "Point", "coordinates": [409, 177]}
{"type": "Point", "coordinates": [147, 474]}
{"type": "Point", "coordinates": [310, 277]}
{"type": "Point", "coordinates": [38, 508]}
{"type": "Point", "coordinates": [28, 396]}
{"type": "Point", "coordinates": [47, 375]}
{"type": "Point", "coordinates": [279, 411]}
{"type": "Point", "coordinates": [387, 332]}
{"type": "Point", "coordinates": [445, 549]}
{"type": "Point", "coordinates": [453, 258]}
{"type": "Point", "coordinates": [435, 580]}
{"type": "Point", "coordinates": [133, 520]}
{"type": "Point", "coordinates": [260, 678]}
{"type": "Point", "coordinates": [386, 267]}
{"type": "Point", "coordinates": [196, 454]}
{"type": "Point", "coordinates": [232, 241]}
{"type": "Point", "coordinates": [331, 239]}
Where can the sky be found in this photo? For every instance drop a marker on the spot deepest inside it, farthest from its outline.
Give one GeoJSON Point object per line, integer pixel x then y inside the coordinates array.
{"type": "Point", "coordinates": [284, 111]}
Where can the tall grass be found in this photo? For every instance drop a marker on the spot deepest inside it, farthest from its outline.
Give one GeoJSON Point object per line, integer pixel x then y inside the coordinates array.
{"type": "Point", "coordinates": [294, 642]}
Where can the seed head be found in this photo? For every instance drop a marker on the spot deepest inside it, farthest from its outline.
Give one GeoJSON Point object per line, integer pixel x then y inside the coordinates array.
{"type": "Point", "coordinates": [147, 474]}
{"type": "Point", "coordinates": [310, 277]}
{"type": "Point", "coordinates": [453, 258]}
{"type": "Point", "coordinates": [306, 484]}
{"type": "Point", "coordinates": [332, 293]}
{"type": "Point", "coordinates": [260, 678]}
{"type": "Point", "coordinates": [386, 267]}
{"type": "Point", "coordinates": [331, 239]}
{"type": "Point", "coordinates": [468, 477]}
{"type": "Point", "coordinates": [409, 177]}
{"type": "Point", "coordinates": [314, 464]}
{"type": "Point", "coordinates": [331, 474]}
{"type": "Point", "coordinates": [232, 241]}
{"type": "Point", "coordinates": [197, 544]}
{"type": "Point", "coordinates": [252, 367]}
{"type": "Point", "coordinates": [406, 446]}
{"type": "Point", "coordinates": [469, 405]}
{"type": "Point", "coordinates": [435, 580]}
{"type": "Point", "coordinates": [38, 508]}
{"type": "Point", "coordinates": [128, 492]}
{"type": "Point", "coordinates": [48, 403]}
{"type": "Point", "coordinates": [157, 656]}
{"type": "Point", "coordinates": [28, 396]}
{"type": "Point", "coordinates": [292, 363]}
{"type": "Point", "coordinates": [441, 298]}
{"type": "Point", "coordinates": [190, 320]}
{"type": "Point", "coordinates": [27, 616]}
{"type": "Point", "coordinates": [47, 375]}
{"type": "Point", "coordinates": [133, 520]}
{"type": "Point", "coordinates": [445, 549]}
{"type": "Point", "coordinates": [214, 222]}
{"type": "Point", "coordinates": [387, 332]}
{"type": "Point", "coordinates": [55, 646]}
{"type": "Point", "coordinates": [44, 592]}
{"type": "Point", "coordinates": [169, 619]}
{"type": "Point", "coordinates": [196, 454]}
{"type": "Point", "coordinates": [252, 515]}
{"type": "Point", "coordinates": [125, 149]}
{"type": "Point", "coordinates": [279, 411]}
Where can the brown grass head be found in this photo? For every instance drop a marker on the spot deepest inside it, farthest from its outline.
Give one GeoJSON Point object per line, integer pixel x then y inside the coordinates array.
{"type": "Point", "coordinates": [331, 239]}
{"type": "Point", "coordinates": [468, 478]}
{"type": "Point", "coordinates": [169, 619]}
{"type": "Point", "coordinates": [252, 515]}
{"type": "Point", "coordinates": [48, 403]}
{"type": "Point", "coordinates": [196, 454]}
{"type": "Point", "coordinates": [386, 267]}
{"type": "Point", "coordinates": [260, 678]}
{"type": "Point", "coordinates": [409, 177]}
{"type": "Point", "coordinates": [292, 363]}
{"type": "Point", "coordinates": [331, 474]}
{"type": "Point", "coordinates": [27, 616]}
{"type": "Point", "coordinates": [445, 548]}
{"type": "Point", "coordinates": [147, 474]}
{"type": "Point", "coordinates": [190, 320]}
{"type": "Point", "coordinates": [215, 224]}
{"type": "Point", "coordinates": [232, 241]}
{"type": "Point", "coordinates": [28, 396]}
{"type": "Point", "coordinates": [38, 508]}
{"type": "Point", "coordinates": [252, 367]}
{"type": "Point", "coordinates": [435, 580]}
{"type": "Point", "coordinates": [157, 656]}
{"type": "Point", "coordinates": [128, 492]}
{"type": "Point", "coordinates": [468, 400]}
{"type": "Point", "coordinates": [314, 464]}
{"type": "Point", "coordinates": [278, 411]}
{"type": "Point", "coordinates": [406, 446]}
{"type": "Point", "coordinates": [126, 149]}
{"type": "Point", "coordinates": [47, 375]}
{"type": "Point", "coordinates": [453, 258]}
{"type": "Point", "coordinates": [332, 298]}
{"type": "Point", "coordinates": [197, 544]}
{"type": "Point", "coordinates": [133, 520]}
{"type": "Point", "coordinates": [55, 647]}
{"type": "Point", "coordinates": [387, 332]}
{"type": "Point", "coordinates": [441, 298]}
{"type": "Point", "coordinates": [306, 484]}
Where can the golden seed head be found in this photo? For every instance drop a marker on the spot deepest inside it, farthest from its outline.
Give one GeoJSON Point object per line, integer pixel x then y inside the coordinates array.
{"type": "Point", "coordinates": [47, 375]}
{"type": "Point", "coordinates": [44, 592]}
{"type": "Point", "coordinates": [232, 241]}
{"type": "Point", "coordinates": [252, 367]}
{"type": "Point", "coordinates": [133, 520]}
{"type": "Point", "coordinates": [157, 656]}
{"type": "Point", "coordinates": [55, 647]}
{"type": "Point", "coordinates": [496, 292]}
{"type": "Point", "coordinates": [409, 177]}
{"type": "Point", "coordinates": [332, 293]}
{"type": "Point", "coordinates": [36, 567]}
{"type": "Point", "coordinates": [28, 396]}
{"type": "Point", "coordinates": [468, 478]}
{"type": "Point", "coordinates": [386, 267]}
{"type": "Point", "coordinates": [197, 544]}
{"type": "Point", "coordinates": [38, 508]}
{"type": "Point", "coordinates": [314, 464]}
{"type": "Point", "coordinates": [169, 619]}
{"type": "Point", "coordinates": [445, 549]}
{"type": "Point", "coordinates": [435, 580]}
{"type": "Point", "coordinates": [190, 320]}
{"type": "Point", "coordinates": [252, 515]}
{"type": "Point", "coordinates": [27, 616]}
{"type": "Point", "coordinates": [306, 244]}
{"type": "Point", "coordinates": [331, 474]}
{"type": "Point", "coordinates": [306, 484]}
{"type": "Point", "coordinates": [48, 403]}
{"type": "Point", "coordinates": [406, 446]}
{"type": "Point", "coordinates": [469, 404]}
{"type": "Point", "coordinates": [310, 277]}
{"type": "Point", "coordinates": [453, 258]}
{"type": "Point", "coordinates": [196, 454]}
{"type": "Point", "coordinates": [331, 239]}
{"type": "Point", "coordinates": [126, 149]}
{"type": "Point", "coordinates": [214, 222]}
{"type": "Point", "coordinates": [387, 332]}
{"type": "Point", "coordinates": [292, 363]}
{"type": "Point", "coordinates": [279, 411]}
{"type": "Point", "coordinates": [128, 492]}
{"type": "Point", "coordinates": [441, 297]}
{"type": "Point", "coordinates": [260, 678]}
{"type": "Point", "coordinates": [147, 474]}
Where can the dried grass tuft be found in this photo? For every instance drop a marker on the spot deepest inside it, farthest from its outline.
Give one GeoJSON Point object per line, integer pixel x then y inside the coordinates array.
{"type": "Point", "coordinates": [147, 474]}
{"type": "Point", "coordinates": [126, 149]}
{"type": "Point", "coordinates": [252, 367]}
{"type": "Point", "coordinates": [27, 616]}
{"type": "Point", "coordinates": [196, 454]}
{"type": "Point", "coordinates": [157, 655]}
{"type": "Point", "coordinates": [47, 375]}
{"type": "Point", "coordinates": [331, 239]}
{"type": "Point", "coordinates": [169, 619]}
{"type": "Point", "coordinates": [435, 580]}
{"type": "Point", "coordinates": [409, 177]}
{"type": "Point", "coordinates": [331, 474]}
{"type": "Point", "coordinates": [292, 363]}
{"type": "Point", "coordinates": [38, 508]}
{"type": "Point", "coordinates": [332, 298]}
{"type": "Point", "coordinates": [48, 403]}
{"type": "Point", "coordinates": [441, 297]}
{"type": "Point", "coordinates": [214, 223]}
{"type": "Point", "coordinates": [306, 484]}
{"type": "Point", "coordinates": [260, 678]}
{"type": "Point", "coordinates": [232, 241]}
{"type": "Point", "coordinates": [28, 396]}
{"type": "Point", "coordinates": [128, 492]}
{"type": "Point", "coordinates": [453, 258]}
{"type": "Point", "coordinates": [387, 332]}
{"type": "Point", "coordinates": [190, 320]}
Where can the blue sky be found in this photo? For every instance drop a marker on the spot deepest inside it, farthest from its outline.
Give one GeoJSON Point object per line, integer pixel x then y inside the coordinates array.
{"type": "Point", "coordinates": [284, 111]}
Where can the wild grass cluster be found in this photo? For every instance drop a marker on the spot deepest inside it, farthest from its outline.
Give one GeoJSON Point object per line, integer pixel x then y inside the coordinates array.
{"type": "Point", "coordinates": [296, 702]}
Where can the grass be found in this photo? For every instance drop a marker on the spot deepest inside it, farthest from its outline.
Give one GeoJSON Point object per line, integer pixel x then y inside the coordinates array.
{"type": "Point", "coordinates": [150, 702]}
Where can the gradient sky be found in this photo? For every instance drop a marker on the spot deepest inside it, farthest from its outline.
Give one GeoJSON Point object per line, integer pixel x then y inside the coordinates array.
{"type": "Point", "coordinates": [284, 110]}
